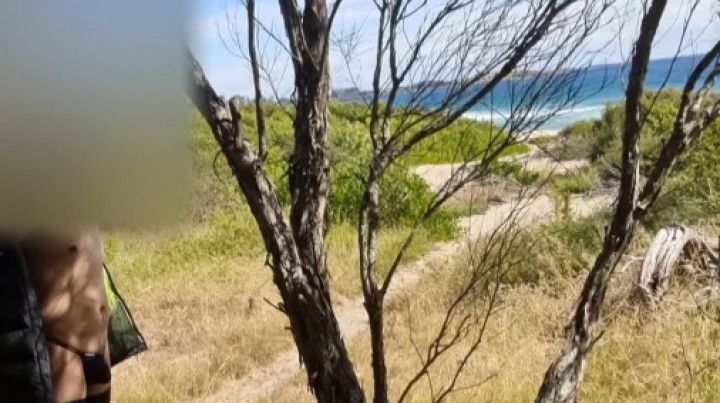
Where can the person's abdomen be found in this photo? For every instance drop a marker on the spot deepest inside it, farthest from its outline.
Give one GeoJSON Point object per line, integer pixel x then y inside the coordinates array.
{"type": "Point", "coordinates": [67, 275]}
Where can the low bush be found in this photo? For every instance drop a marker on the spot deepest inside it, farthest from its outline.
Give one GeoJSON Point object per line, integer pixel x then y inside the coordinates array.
{"type": "Point", "coordinates": [464, 140]}
{"type": "Point", "coordinates": [577, 140]}
{"type": "Point", "coordinates": [405, 195]}
{"type": "Point", "coordinates": [559, 249]}
{"type": "Point", "coordinates": [691, 193]}
{"type": "Point", "coordinates": [515, 171]}
{"type": "Point", "coordinates": [579, 181]}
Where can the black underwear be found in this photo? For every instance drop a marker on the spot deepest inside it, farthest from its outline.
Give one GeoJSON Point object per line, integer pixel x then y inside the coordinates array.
{"type": "Point", "coordinates": [103, 397]}
{"type": "Point", "coordinates": [95, 367]}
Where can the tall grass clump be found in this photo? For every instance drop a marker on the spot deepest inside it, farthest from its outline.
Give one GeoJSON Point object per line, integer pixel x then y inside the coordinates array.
{"type": "Point", "coordinates": [574, 182]}
{"type": "Point", "coordinates": [556, 250]}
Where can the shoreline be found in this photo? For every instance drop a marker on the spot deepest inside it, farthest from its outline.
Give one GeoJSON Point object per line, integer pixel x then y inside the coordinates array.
{"type": "Point", "coordinates": [539, 133]}
{"type": "Point", "coordinates": [554, 123]}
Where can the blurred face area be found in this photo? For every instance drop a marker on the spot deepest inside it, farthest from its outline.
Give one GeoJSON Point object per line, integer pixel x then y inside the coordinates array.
{"type": "Point", "coordinates": [92, 114]}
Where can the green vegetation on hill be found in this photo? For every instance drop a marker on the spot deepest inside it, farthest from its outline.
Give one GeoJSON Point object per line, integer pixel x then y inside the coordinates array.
{"type": "Point", "coordinates": [465, 139]}
{"type": "Point", "coordinates": [691, 193]}
{"type": "Point", "coordinates": [195, 287]}
{"type": "Point", "coordinates": [404, 194]}
{"type": "Point", "coordinates": [221, 228]}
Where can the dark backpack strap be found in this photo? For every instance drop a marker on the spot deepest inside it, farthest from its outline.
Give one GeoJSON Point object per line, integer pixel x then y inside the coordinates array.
{"type": "Point", "coordinates": [24, 360]}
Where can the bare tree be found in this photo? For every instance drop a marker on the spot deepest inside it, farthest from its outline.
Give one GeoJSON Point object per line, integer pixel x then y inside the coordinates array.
{"type": "Point", "coordinates": [457, 55]}
{"type": "Point", "coordinates": [295, 244]}
{"type": "Point", "coordinates": [696, 111]}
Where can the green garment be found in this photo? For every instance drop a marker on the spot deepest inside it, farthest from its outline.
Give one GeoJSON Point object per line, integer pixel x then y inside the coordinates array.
{"type": "Point", "coordinates": [124, 338]}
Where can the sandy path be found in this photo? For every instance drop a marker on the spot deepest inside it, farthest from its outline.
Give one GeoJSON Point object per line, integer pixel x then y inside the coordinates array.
{"type": "Point", "coordinates": [261, 382]}
{"type": "Point", "coordinates": [437, 174]}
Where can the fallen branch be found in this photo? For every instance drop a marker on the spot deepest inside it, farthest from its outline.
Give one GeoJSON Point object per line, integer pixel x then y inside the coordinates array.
{"type": "Point", "coordinates": [669, 246]}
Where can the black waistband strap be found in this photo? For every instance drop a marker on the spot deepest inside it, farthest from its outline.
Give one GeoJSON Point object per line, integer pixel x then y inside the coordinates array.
{"type": "Point", "coordinates": [103, 397]}
{"type": "Point", "coordinates": [68, 347]}
{"type": "Point", "coordinates": [65, 346]}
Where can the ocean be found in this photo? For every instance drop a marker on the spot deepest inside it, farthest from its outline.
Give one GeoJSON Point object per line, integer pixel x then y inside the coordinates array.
{"type": "Point", "coordinates": [602, 84]}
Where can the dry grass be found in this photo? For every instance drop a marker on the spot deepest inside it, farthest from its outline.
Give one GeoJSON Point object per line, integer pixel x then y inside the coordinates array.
{"type": "Point", "coordinates": [343, 255]}
{"type": "Point", "coordinates": [204, 314]}
{"type": "Point", "coordinates": [198, 292]}
{"type": "Point", "coordinates": [204, 325]}
{"type": "Point", "coordinates": [665, 353]}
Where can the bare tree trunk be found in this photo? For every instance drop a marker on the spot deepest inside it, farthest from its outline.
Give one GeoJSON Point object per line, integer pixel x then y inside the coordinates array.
{"type": "Point", "coordinates": [330, 371]}
{"type": "Point", "coordinates": [309, 173]}
{"type": "Point", "coordinates": [563, 378]}
{"type": "Point", "coordinates": [329, 368]}
{"type": "Point", "coordinates": [368, 228]}
{"type": "Point", "coordinates": [298, 268]}
{"type": "Point", "coordinates": [377, 336]}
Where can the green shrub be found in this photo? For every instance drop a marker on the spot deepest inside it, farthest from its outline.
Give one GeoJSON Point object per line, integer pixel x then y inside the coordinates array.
{"type": "Point", "coordinates": [558, 249]}
{"type": "Point", "coordinates": [464, 140]}
{"type": "Point", "coordinates": [346, 192]}
{"type": "Point", "coordinates": [576, 182]}
{"type": "Point", "coordinates": [516, 171]}
{"type": "Point", "coordinates": [404, 195]}
{"type": "Point", "coordinates": [577, 140]}
{"type": "Point", "coordinates": [404, 198]}
{"type": "Point", "coordinates": [690, 194]}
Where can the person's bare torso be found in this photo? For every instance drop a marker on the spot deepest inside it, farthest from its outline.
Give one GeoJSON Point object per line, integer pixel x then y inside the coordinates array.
{"type": "Point", "coordinates": [68, 278]}
{"type": "Point", "coordinates": [67, 275]}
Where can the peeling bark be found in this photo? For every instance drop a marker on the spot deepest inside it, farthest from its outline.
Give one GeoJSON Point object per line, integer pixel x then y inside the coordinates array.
{"type": "Point", "coordinates": [298, 269]}
{"type": "Point", "coordinates": [663, 256]}
{"type": "Point", "coordinates": [564, 376]}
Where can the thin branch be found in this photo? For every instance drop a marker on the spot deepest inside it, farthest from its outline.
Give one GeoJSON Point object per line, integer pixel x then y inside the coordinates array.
{"type": "Point", "coordinates": [259, 113]}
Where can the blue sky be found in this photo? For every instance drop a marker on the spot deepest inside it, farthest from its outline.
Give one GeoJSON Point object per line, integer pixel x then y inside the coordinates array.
{"type": "Point", "coordinates": [230, 74]}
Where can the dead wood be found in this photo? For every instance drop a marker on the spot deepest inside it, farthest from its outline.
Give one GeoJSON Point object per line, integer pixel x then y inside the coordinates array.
{"type": "Point", "coordinates": [673, 247]}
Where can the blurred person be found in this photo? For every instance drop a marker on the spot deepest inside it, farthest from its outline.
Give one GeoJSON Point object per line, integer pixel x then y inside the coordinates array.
{"type": "Point", "coordinates": [105, 144]}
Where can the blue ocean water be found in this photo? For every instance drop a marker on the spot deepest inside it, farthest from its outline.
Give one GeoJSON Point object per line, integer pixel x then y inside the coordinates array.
{"type": "Point", "coordinates": [602, 84]}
